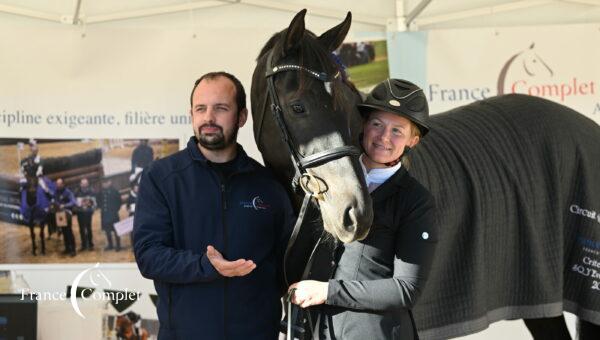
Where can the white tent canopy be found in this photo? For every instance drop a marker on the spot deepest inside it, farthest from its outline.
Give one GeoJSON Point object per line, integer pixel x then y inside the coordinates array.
{"type": "Point", "coordinates": [390, 15]}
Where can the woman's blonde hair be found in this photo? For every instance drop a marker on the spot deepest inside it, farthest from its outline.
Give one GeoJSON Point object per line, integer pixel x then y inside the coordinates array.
{"type": "Point", "coordinates": [414, 132]}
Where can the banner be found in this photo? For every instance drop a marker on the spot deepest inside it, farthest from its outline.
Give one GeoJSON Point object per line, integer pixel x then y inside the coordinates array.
{"type": "Point", "coordinates": [559, 63]}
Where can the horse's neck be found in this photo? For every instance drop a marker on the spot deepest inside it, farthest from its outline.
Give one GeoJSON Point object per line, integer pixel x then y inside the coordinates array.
{"type": "Point", "coordinates": [31, 197]}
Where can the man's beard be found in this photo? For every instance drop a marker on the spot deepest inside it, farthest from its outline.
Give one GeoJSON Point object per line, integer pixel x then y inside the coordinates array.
{"type": "Point", "coordinates": [218, 140]}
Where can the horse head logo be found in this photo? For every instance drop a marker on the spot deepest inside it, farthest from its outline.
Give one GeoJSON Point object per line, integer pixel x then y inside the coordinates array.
{"type": "Point", "coordinates": [531, 65]}
{"type": "Point", "coordinates": [95, 277]}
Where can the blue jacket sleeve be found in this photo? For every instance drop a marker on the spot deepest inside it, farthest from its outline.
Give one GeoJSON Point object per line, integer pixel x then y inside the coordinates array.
{"type": "Point", "coordinates": [71, 199]}
{"type": "Point", "coordinates": [155, 254]}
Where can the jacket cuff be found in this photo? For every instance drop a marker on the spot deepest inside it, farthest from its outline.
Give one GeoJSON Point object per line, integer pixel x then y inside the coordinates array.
{"type": "Point", "coordinates": [207, 268]}
{"type": "Point", "coordinates": [333, 290]}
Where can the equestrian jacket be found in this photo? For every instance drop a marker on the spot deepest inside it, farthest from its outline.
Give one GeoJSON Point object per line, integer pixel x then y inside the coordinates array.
{"type": "Point", "coordinates": [109, 202]}
{"type": "Point", "coordinates": [183, 206]}
{"type": "Point", "coordinates": [378, 279]}
{"type": "Point", "coordinates": [86, 201]}
{"type": "Point", "coordinates": [65, 197]}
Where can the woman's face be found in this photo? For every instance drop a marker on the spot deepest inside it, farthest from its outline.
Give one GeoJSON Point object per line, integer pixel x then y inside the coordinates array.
{"type": "Point", "coordinates": [385, 135]}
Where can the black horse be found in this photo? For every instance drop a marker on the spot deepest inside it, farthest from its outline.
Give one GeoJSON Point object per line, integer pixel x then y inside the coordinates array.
{"type": "Point", "coordinates": [35, 205]}
{"type": "Point", "coordinates": [317, 112]}
{"type": "Point", "coordinates": [515, 179]}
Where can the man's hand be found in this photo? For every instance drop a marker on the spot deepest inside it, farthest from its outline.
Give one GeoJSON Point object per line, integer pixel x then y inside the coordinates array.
{"type": "Point", "coordinates": [309, 293]}
{"type": "Point", "coordinates": [226, 268]}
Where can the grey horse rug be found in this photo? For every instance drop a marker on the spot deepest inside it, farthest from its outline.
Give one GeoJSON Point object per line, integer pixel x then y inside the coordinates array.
{"type": "Point", "coordinates": [517, 186]}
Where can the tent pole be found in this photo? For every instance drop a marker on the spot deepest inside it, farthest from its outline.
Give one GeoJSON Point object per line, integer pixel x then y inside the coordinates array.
{"type": "Point", "coordinates": [416, 11]}
{"type": "Point", "coordinates": [76, 15]}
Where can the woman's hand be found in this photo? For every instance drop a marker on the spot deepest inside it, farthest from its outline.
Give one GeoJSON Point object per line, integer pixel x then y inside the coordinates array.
{"type": "Point", "coordinates": [309, 293]}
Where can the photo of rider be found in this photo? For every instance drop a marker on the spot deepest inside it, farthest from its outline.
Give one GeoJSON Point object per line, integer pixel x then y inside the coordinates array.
{"type": "Point", "coordinates": [68, 194]}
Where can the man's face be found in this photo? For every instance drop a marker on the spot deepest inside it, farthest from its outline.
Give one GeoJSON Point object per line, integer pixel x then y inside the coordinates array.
{"type": "Point", "coordinates": [60, 184]}
{"type": "Point", "coordinates": [84, 183]}
{"type": "Point", "coordinates": [33, 150]}
{"type": "Point", "coordinates": [214, 113]}
{"type": "Point", "coordinates": [106, 184]}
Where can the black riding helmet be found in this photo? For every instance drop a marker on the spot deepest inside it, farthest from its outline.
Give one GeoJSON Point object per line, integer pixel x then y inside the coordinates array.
{"type": "Point", "coordinates": [401, 97]}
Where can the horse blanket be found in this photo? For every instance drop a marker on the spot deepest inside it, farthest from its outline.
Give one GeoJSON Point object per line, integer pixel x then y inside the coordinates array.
{"type": "Point", "coordinates": [38, 208]}
{"type": "Point", "coordinates": [517, 186]}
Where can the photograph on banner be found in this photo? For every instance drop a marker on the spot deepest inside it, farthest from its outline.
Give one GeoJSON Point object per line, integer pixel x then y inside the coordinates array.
{"type": "Point", "coordinates": [129, 326]}
{"type": "Point", "coordinates": [71, 200]}
{"type": "Point", "coordinates": [366, 62]}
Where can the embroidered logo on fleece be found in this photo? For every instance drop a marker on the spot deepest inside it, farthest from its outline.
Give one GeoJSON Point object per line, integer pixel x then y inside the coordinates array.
{"type": "Point", "coordinates": [256, 203]}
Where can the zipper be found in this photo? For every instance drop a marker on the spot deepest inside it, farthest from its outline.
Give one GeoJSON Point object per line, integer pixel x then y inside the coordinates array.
{"type": "Point", "coordinates": [225, 280]}
{"type": "Point", "coordinates": [222, 181]}
{"type": "Point", "coordinates": [169, 308]}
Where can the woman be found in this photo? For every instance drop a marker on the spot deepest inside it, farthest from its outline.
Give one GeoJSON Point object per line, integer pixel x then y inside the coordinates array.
{"type": "Point", "coordinates": [378, 279]}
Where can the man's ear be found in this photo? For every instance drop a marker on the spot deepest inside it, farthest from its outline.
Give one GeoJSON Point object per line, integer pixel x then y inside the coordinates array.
{"type": "Point", "coordinates": [242, 117]}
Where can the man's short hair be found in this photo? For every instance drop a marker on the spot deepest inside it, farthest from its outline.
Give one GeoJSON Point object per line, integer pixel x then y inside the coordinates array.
{"type": "Point", "coordinates": [240, 94]}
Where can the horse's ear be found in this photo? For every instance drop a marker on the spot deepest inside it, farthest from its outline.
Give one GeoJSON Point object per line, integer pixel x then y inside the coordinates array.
{"type": "Point", "coordinates": [532, 46]}
{"type": "Point", "coordinates": [333, 38]}
{"type": "Point", "coordinates": [294, 33]}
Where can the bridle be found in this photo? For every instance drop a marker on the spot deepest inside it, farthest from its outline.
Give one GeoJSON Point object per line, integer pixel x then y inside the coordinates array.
{"type": "Point", "coordinates": [301, 163]}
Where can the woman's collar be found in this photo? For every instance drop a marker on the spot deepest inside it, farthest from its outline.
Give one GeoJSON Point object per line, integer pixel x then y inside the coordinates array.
{"type": "Point", "coordinates": [378, 175]}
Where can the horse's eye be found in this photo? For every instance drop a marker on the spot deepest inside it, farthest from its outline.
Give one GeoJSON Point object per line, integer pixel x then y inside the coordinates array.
{"type": "Point", "coordinates": [298, 108]}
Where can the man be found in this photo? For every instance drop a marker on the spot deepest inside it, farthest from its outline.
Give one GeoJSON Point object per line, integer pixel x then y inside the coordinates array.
{"type": "Point", "coordinates": [63, 202]}
{"type": "Point", "coordinates": [109, 201]}
{"type": "Point", "coordinates": [211, 226]}
{"type": "Point", "coordinates": [142, 155]}
{"type": "Point", "coordinates": [86, 204]}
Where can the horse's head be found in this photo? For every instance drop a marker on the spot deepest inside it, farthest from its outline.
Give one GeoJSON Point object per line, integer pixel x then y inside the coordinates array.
{"type": "Point", "coordinates": [318, 114]}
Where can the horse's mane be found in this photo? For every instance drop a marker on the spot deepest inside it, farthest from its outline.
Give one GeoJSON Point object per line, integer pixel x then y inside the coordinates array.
{"type": "Point", "coordinates": [310, 49]}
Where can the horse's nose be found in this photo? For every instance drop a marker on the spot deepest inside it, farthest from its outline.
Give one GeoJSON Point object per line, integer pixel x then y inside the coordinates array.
{"type": "Point", "coordinates": [357, 221]}
{"type": "Point", "coordinates": [350, 220]}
